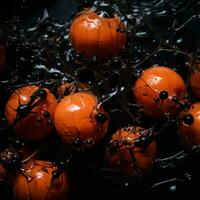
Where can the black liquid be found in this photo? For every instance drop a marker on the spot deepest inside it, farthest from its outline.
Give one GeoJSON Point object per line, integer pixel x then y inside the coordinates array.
{"type": "Point", "coordinates": [39, 51]}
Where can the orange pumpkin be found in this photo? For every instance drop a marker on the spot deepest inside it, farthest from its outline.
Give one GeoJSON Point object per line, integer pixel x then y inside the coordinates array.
{"type": "Point", "coordinates": [79, 120]}
{"type": "Point", "coordinates": [31, 122]}
{"type": "Point", "coordinates": [195, 81]}
{"type": "Point", "coordinates": [36, 182]}
{"type": "Point", "coordinates": [156, 90]}
{"type": "Point", "coordinates": [93, 35]}
{"type": "Point", "coordinates": [189, 125]}
{"type": "Point", "coordinates": [128, 158]}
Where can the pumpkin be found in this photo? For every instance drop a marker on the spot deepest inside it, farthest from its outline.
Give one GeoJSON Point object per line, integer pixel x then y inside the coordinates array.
{"type": "Point", "coordinates": [79, 121]}
{"type": "Point", "coordinates": [124, 155]}
{"type": "Point", "coordinates": [30, 110]}
{"type": "Point", "coordinates": [159, 90]}
{"type": "Point", "coordinates": [37, 182]}
{"type": "Point", "coordinates": [93, 35]}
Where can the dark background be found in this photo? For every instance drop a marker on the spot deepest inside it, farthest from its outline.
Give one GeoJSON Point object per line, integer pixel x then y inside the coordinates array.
{"type": "Point", "coordinates": [89, 178]}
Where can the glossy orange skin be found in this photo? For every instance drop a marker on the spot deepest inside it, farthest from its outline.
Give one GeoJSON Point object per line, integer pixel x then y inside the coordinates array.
{"type": "Point", "coordinates": [2, 58]}
{"type": "Point", "coordinates": [75, 119]}
{"type": "Point", "coordinates": [93, 35]}
{"type": "Point", "coordinates": [190, 134]}
{"type": "Point", "coordinates": [195, 81]}
{"type": "Point", "coordinates": [149, 85]}
{"type": "Point", "coordinates": [36, 183]}
{"type": "Point", "coordinates": [128, 158]}
{"type": "Point", "coordinates": [29, 127]}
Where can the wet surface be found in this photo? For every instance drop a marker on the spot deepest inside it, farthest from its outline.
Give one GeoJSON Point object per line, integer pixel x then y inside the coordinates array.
{"type": "Point", "coordinates": [35, 34]}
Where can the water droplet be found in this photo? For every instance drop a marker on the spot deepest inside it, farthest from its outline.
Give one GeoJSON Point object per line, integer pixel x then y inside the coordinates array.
{"type": "Point", "coordinates": [179, 41]}
{"type": "Point", "coordinates": [145, 94]}
{"type": "Point", "coordinates": [173, 188]}
{"type": "Point", "coordinates": [39, 119]}
{"type": "Point", "coordinates": [126, 184]}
